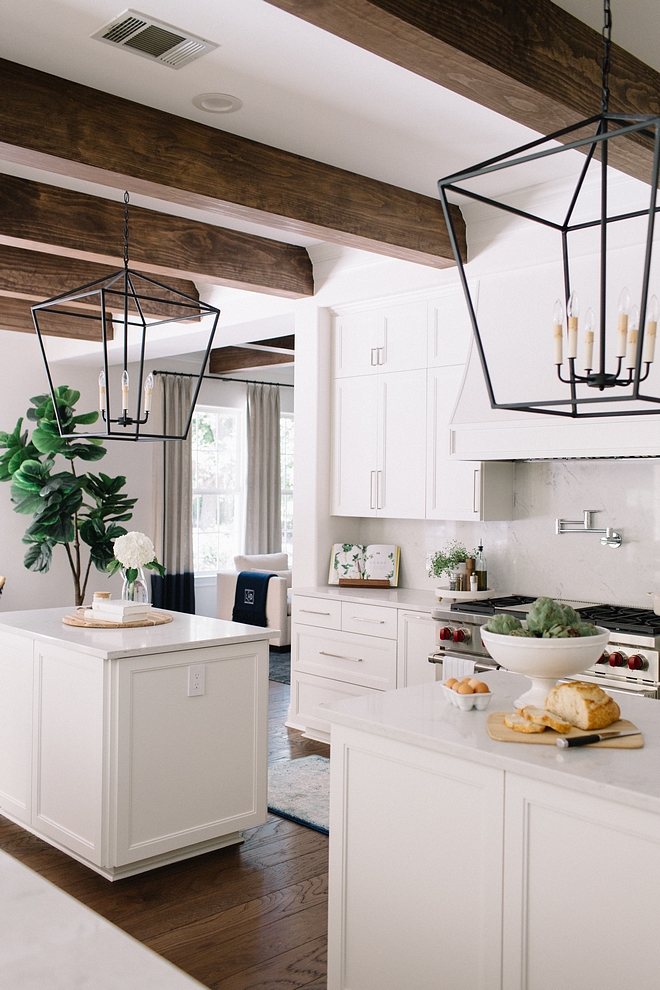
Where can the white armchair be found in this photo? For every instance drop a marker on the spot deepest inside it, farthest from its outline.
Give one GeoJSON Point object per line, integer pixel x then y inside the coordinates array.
{"type": "Point", "coordinates": [277, 609]}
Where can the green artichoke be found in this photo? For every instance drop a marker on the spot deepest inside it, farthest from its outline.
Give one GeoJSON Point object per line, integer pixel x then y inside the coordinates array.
{"type": "Point", "coordinates": [503, 624]}
{"type": "Point", "coordinates": [586, 629]}
{"type": "Point", "coordinates": [543, 614]}
{"type": "Point", "coordinates": [522, 632]}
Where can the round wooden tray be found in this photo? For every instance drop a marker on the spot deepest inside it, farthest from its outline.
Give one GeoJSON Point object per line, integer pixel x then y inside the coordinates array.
{"type": "Point", "coordinates": [153, 618]}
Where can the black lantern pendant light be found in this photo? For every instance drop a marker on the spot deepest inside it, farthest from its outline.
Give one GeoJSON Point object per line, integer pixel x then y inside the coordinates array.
{"type": "Point", "coordinates": [134, 308]}
{"type": "Point", "coordinates": [607, 378]}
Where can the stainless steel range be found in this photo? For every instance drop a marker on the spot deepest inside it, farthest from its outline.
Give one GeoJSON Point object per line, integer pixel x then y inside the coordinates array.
{"type": "Point", "coordinates": [630, 664]}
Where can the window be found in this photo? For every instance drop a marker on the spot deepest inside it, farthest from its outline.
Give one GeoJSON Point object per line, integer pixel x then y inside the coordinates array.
{"type": "Point", "coordinates": [218, 455]}
{"type": "Point", "coordinates": [286, 482]}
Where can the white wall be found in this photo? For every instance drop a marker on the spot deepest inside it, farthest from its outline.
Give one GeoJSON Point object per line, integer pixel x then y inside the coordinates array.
{"type": "Point", "coordinates": [22, 375]}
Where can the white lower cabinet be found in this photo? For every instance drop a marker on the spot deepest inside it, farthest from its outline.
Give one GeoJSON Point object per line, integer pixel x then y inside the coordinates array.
{"type": "Point", "coordinates": [447, 873]}
{"type": "Point", "coordinates": [417, 635]}
{"type": "Point", "coordinates": [341, 649]}
{"type": "Point", "coordinates": [577, 868]}
{"type": "Point", "coordinates": [415, 894]}
{"type": "Point", "coordinates": [112, 760]}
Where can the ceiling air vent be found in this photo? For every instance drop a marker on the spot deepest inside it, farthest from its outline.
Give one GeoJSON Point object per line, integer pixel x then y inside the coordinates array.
{"type": "Point", "coordinates": [153, 39]}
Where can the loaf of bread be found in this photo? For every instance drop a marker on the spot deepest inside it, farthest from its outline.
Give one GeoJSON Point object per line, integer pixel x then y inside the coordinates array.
{"type": "Point", "coordinates": [520, 724]}
{"type": "Point", "coordinates": [582, 704]}
{"type": "Point", "coordinates": [543, 717]}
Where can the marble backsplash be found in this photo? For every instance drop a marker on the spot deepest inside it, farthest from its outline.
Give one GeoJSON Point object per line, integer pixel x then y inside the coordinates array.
{"type": "Point", "coordinates": [525, 556]}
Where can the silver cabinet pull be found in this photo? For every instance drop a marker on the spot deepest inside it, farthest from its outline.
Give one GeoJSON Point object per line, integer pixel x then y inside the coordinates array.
{"type": "Point", "coordinates": [379, 479]}
{"type": "Point", "coordinates": [358, 618]}
{"type": "Point", "coordinates": [476, 500]}
{"type": "Point", "coordinates": [339, 656]}
{"type": "Point", "coordinates": [310, 611]}
{"type": "Point", "coordinates": [374, 351]}
{"type": "Point", "coordinates": [372, 495]}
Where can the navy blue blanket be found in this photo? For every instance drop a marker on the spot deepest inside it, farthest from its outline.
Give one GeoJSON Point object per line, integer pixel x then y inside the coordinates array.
{"type": "Point", "coordinates": [250, 598]}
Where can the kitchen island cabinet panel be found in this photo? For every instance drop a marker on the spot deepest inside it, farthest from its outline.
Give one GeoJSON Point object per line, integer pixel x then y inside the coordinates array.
{"type": "Point", "coordinates": [68, 750]}
{"type": "Point", "coordinates": [565, 853]}
{"type": "Point", "coordinates": [188, 766]}
{"type": "Point", "coordinates": [16, 700]}
{"type": "Point", "coordinates": [416, 838]}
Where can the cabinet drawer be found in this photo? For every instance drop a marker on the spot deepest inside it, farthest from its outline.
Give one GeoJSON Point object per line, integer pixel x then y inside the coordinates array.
{"type": "Point", "coordinates": [316, 612]}
{"type": "Point", "coordinates": [308, 692]}
{"type": "Point", "coordinates": [363, 660]}
{"type": "Point", "coordinates": [369, 620]}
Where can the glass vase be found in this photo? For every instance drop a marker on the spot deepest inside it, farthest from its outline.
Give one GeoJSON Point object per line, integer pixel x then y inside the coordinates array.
{"type": "Point", "coordinates": [135, 591]}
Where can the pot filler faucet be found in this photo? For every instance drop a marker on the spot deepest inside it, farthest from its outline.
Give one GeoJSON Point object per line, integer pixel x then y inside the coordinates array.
{"type": "Point", "coordinates": [608, 537]}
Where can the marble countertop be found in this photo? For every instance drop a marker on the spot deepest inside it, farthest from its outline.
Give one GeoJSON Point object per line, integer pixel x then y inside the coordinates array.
{"type": "Point", "coordinates": [422, 717]}
{"type": "Point", "coordinates": [412, 598]}
{"type": "Point", "coordinates": [185, 632]}
{"type": "Point", "coordinates": [49, 940]}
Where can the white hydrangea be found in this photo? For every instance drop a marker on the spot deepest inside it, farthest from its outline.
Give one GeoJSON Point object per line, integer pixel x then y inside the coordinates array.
{"type": "Point", "coordinates": [134, 550]}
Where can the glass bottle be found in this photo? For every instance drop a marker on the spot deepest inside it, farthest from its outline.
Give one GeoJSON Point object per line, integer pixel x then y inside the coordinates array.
{"type": "Point", "coordinates": [481, 569]}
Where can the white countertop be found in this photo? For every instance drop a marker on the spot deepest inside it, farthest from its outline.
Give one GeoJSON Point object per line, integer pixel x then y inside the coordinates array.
{"type": "Point", "coordinates": [50, 941]}
{"type": "Point", "coordinates": [421, 716]}
{"type": "Point", "coordinates": [185, 632]}
{"type": "Point", "coordinates": [412, 598]}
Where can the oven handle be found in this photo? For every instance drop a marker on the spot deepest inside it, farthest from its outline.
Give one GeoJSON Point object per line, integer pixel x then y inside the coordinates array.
{"type": "Point", "coordinates": [481, 664]}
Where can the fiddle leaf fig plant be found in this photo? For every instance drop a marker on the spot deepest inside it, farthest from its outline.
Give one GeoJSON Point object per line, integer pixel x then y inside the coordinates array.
{"type": "Point", "coordinates": [56, 499]}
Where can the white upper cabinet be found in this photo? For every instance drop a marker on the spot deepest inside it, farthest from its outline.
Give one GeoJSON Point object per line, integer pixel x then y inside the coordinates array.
{"type": "Point", "coordinates": [449, 329]}
{"type": "Point", "coordinates": [381, 340]}
{"type": "Point", "coordinates": [380, 446]}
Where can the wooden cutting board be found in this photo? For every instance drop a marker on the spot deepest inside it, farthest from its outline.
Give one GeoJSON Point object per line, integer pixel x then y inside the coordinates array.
{"type": "Point", "coordinates": [500, 732]}
{"type": "Point", "coordinates": [152, 618]}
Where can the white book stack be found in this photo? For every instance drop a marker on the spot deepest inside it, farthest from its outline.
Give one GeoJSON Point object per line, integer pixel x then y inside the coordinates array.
{"type": "Point", "coordinates": [118, 610]}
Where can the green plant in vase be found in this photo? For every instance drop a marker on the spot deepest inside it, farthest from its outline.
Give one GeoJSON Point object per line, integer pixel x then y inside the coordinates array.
{"type": "Point", "coordinates": [447, 560]}
{"type": "Point", "coordinates": [56, 498]}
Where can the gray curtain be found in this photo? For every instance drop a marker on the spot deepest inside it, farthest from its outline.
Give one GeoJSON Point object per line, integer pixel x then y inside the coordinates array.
{"type": "Point", "coordinates": [173, 498]}
{"type": "Point", "coordinates": [263, 530]}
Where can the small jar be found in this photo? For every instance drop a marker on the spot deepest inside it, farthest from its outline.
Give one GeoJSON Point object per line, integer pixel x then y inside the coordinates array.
{"type": "Point", "coordinates": [101, 596]}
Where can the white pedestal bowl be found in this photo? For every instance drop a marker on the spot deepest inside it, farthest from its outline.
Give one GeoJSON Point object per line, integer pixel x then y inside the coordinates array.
{"type": "Point", "coordinates": [544, 661]}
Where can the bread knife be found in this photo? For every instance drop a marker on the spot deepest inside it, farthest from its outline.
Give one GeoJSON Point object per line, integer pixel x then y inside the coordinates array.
{"type": "Point", "coordinates": [596, 737]}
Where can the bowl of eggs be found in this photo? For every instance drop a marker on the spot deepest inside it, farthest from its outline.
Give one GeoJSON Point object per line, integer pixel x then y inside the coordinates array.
{"type": "Point", "coordinates": [467, 694]}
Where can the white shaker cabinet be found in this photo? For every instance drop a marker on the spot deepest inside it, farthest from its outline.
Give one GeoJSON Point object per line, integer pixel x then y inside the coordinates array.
{"type": "Point", "coordinates": [380, 446]}
{"type": "Point", "coordinates": [381, 340]}
{"type": "Point", "coordinates": [417, 635]}
{"type": "Point", "coordinates": [415, 895]}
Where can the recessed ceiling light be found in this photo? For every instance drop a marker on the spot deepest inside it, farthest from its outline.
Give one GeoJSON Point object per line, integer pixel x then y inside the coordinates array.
{"type": "Point", "coordinates": [217, 103]}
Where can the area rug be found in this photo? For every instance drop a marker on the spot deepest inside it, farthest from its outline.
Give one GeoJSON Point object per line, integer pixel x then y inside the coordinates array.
{"type": "Point", "coordinates": [280, 666]}
{"type": "Point", "coordinates": [300, 791]}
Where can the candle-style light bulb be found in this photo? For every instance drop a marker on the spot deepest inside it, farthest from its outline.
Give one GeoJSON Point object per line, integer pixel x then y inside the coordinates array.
{"type": "Point", "coordinates": [651, 329]}
{"type": "Point", "coordinates": [572, 311]}
{"type": "Point", "coordinates": [558, 318]}
{"type": "Point", "coordinates": [124, 391]}
{"type": "Point", "coordinates": [102, 391]}
{"type": "Point", "coordinates": [148, 390]}
{"type": "Point", "coordinates": [624, 309]}
{"type": "Point", "coordinates": [589, 339]}
{"type": "Point", "coordinates": [633, 331]}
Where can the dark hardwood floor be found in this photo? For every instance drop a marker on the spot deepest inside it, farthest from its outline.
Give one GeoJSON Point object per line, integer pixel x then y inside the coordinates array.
{"type": "Point", "coordinates": [250, 917]}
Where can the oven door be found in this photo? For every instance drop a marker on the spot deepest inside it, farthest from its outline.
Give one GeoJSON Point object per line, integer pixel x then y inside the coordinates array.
{"type": "Point", "coordinates": [613, 686]}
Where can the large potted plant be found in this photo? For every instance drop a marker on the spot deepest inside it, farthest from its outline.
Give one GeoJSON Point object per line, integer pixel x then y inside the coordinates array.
{"type": "Point", "coordinates": [73, 509]}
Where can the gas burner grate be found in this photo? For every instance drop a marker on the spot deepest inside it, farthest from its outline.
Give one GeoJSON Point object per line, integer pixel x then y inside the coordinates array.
{"type": "Point", "coordinates": [489, 606]}
{"type": "Point", "coordinates": [638, 621]}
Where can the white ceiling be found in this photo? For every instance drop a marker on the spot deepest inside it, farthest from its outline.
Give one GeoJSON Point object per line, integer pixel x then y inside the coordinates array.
{"type": "Point", "coordinates": [302, 89]}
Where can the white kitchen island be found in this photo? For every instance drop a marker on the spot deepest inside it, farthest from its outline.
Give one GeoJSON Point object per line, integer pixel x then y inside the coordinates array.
{"type": "Point", "coordinates": [459, 863]}
{"type": "Point", "coordinates": [106, 754]}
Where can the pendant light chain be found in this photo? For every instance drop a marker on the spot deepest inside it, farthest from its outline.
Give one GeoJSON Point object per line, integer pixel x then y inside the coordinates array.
{"type": "Point", "coordinates": [126, 200]}
{"type": "Point", "coordinates": [606, 63]}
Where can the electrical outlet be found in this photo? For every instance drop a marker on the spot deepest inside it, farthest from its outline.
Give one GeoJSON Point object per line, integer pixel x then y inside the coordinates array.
{"type": "Point", "coordinates": [196, 680]}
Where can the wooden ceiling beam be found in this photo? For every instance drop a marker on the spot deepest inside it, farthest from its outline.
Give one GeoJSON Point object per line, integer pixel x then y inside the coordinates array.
{"type": "Point", "coordinates": [227, 360]}
{"type": "Point", "coordinates": [16, 314]}
{"type": "Point", "coordinates": [105, 139]}
{"type": "Point", "coordinates": [41, 217]}
{"type": "Point", "coordinates": [37, 276]}
{"type": "Point", "coordinates": [530, 61]}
